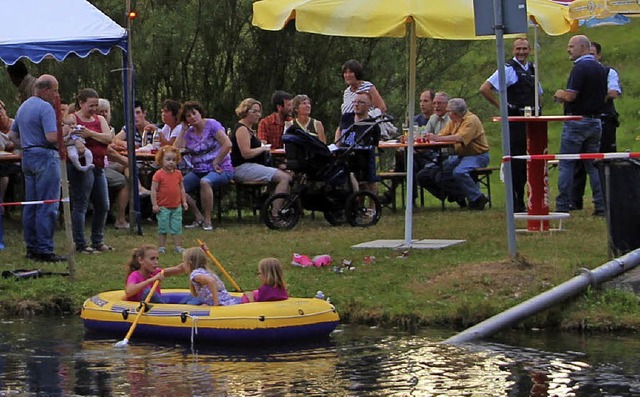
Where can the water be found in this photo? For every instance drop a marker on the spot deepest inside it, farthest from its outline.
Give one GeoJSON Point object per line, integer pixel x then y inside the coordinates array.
{"type": "Point", "coordinates": [52, 357]}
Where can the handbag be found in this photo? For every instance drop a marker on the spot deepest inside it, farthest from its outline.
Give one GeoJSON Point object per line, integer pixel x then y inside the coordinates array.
{"type": "Point", "coordinates": [387, 129]}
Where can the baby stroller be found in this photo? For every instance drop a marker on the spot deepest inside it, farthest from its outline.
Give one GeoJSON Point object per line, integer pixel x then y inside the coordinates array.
{"type": "Point", "coordinates": [323, 181]}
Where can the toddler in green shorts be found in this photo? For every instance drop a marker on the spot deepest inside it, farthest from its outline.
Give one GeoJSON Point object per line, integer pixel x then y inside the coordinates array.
{"type": "Point", "coordinates": [168, 198]}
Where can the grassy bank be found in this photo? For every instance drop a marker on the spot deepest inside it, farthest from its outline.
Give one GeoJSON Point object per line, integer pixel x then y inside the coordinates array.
{"type": "Point", "coordinates": [456, 286]}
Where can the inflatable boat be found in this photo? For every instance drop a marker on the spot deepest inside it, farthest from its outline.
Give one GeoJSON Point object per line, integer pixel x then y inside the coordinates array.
{"type": "Point", "coordinates": [275, 322]}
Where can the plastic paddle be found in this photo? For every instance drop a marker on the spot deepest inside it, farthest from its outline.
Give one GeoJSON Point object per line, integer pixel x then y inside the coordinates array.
{"type": "Point", "coordinates": [203, 246]}
{"type": "Point", "coordinates": [125, 341]}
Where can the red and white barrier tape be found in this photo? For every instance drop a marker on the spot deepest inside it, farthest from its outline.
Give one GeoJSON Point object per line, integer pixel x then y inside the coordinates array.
{"type": "Point", "coordinates": [32, 202]}
{"type": "Point", "coordinates": [578, 156]}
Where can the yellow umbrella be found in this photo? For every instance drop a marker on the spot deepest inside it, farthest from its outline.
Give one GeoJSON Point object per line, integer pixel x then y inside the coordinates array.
{"type": "Point", "coordinates": [439, 19]}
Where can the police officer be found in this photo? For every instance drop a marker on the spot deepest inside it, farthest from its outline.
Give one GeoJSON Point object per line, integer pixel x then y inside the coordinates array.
{"type": "Point", "coordinates": [520, 81]}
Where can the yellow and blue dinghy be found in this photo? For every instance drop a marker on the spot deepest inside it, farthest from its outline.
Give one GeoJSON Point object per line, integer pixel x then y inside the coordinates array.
{"type": "Point", "coordinates": [275, 322]}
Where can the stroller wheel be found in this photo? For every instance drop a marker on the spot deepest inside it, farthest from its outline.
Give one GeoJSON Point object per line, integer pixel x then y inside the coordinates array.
{"type": "Point", "coordinates": [335, 217]}
{"type": "Point", "coordinates": [363, 209]}
{"type": "Point", "coordinates": [281, 211]}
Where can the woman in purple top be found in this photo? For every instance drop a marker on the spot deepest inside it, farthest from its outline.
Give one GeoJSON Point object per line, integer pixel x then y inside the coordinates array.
{"type": "Point", "coordinates": [207, 149]}
{"type": "Point", "coordinates": [273, 287]}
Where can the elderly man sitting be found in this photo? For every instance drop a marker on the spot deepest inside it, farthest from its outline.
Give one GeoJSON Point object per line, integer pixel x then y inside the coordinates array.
{"type": "Point", "coordinates": [472, 151]}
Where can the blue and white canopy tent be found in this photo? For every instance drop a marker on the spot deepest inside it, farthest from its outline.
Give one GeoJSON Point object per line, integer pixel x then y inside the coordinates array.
{"type": "Point", "coordinates": [36, 29]}
{"type": "Point", "coordinates": [39, 29]}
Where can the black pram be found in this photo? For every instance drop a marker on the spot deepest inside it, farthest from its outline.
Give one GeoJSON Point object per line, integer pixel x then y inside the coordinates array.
{"type": "Point", "coordinates": [322, 181]}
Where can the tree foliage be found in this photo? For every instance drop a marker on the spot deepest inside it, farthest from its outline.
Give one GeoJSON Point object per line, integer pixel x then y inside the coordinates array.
{"type": "Point", "coordinates": [209, 51]}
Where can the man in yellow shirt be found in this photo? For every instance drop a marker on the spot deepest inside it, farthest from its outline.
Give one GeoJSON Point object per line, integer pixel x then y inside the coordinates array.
{"type": "Point", "coordinates": [472, 151]}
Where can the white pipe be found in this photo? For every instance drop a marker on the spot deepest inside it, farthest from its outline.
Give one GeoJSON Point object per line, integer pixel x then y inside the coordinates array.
{"type": "Point", "coordinates": [550, 298]}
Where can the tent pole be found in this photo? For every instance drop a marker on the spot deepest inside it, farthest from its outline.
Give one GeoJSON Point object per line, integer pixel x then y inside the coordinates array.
{"type": "Point", "coordinates": [408, 216]}
{"type": "Point", "coordinates": [134, 201]}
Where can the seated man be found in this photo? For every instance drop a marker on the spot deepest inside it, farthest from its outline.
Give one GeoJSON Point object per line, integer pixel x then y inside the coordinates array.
{"type": "Point", "coordinates": [350, 132]}
{"type": "Point", "coordinates": [430, 160]}
{"type": "Point", "coordinates": [472, 151]}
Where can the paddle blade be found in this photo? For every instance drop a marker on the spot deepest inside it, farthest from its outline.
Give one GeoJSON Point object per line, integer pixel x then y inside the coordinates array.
{"type": "Point", "coordinates": [122, 343]}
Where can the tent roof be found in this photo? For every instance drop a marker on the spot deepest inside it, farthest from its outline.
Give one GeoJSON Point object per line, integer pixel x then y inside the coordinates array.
{"type": "Point", "coordinates": [39, 28]}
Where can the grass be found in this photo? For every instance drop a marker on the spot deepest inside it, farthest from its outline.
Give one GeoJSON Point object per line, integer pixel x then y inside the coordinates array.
{"type": "Point", "coordinates": [456, 286]}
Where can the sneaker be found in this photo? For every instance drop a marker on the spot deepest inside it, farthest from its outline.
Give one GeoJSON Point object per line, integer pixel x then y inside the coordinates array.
{"type": "Point", "coordinates": [50, 257]}
{"type": "Point", "coordinates": [125, 225]}
{"type": "Point", "coordinates": [161, 250]}
{"type": "Point", "coordinates": [208, 227]}
{"type": "Point", "coordinates": [301, 260]}
{"type": "Point", "coordinates": [178, 249]}
{"type": "Point", "coordinates": [194, 225]}
{"type": "Point", "coordinates": [479, 204]}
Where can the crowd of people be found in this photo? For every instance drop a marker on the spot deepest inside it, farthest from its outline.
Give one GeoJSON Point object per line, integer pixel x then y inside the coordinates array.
{"type": "Point", "coordinates": [197, 155]}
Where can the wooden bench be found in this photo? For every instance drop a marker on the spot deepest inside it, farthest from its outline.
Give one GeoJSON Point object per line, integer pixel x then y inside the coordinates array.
{"type": "Point", "coordinates": [482, 176]}
{"type": "Point", "coordinates": [391, 180]}
{"type": "Point", "coordinates": [250, 192]}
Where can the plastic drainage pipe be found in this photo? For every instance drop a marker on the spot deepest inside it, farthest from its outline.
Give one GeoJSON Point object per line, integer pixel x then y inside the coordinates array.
{"type": "Point", "coordinates": [550, 298]}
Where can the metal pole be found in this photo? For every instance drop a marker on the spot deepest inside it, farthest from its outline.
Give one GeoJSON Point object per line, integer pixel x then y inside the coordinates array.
{"type": "Point", "coordinates": [545, 300]}
{"type": "Point", "coordinates": [134, 213]}
{"type": "Point", "coordinates": [504, 123]}
{"type": "Point", "coordinates": [408, 215]}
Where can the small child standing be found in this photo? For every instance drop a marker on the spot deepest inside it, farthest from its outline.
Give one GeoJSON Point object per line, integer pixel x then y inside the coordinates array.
{"type": "Point", "coordinates": [167, 193]}
{"type": "Point", "coordinates": [205, 285]}
{"type": "Point", "coordinates": [76, 148]}
{"type": "Point", "coordinates": [273, 287]}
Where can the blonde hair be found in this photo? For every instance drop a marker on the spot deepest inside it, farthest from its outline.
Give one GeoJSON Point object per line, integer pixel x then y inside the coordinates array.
{"type": "Point", "coordinates": [195, 258]}
{"type": "Point", "coordinates": [136, 254]}
{"type": "Point", "coordinates": [297, 101]}
{"type": "Point", "coordinates": [243, 108]}
{"type": "Point", "coordinates": [167, 149]}
{"type": "Point", "coordinates": [271, 270]}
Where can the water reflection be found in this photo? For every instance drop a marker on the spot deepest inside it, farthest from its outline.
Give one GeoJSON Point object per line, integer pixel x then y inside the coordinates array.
{"type": "Point", "coordinates": [51, 357]}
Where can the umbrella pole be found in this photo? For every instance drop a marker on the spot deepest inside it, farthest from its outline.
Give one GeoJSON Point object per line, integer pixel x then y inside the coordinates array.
{"type": "Point", "coordinates": [408, 217]}
{"type": "Point", "coordinates": [504, 123]}
{"type": "Point", "coordinates": [535, 66]}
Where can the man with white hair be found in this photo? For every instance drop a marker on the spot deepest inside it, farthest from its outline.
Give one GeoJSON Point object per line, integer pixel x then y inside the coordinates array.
{"type": "Point", "coordinates": [472, 151]}
{"type": "Point", "coordinates": [584, 96]}
{"type": "Point", "coordinates": [35, 127]}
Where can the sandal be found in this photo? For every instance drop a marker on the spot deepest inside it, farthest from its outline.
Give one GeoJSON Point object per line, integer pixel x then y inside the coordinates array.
{"type": "Point", "coordinates": [87, 250]}
{"type": "Point", "coordinates": [102, 247]}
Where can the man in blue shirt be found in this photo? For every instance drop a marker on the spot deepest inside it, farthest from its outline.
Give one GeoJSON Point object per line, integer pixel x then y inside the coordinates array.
{"type": "Point", "coordinates": [584, 96]}
{"type": "Point", "coordinates": [36, 129]}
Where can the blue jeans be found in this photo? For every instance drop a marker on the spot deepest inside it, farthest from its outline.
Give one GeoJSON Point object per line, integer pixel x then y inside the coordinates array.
{"type": "Point", "coordinates": [41, 169]}
{"type": "Point", "coordinates": [579, 137]}
{"type": "Point", "coordinates": [85, 186]}
{"type": "Point", "coordinates": [191, 181]}
{"type": "Point", "coordinates": [456, 179]}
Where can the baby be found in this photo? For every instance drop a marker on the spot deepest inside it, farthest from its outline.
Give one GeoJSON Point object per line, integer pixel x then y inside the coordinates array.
{"type": "Point", "coordinates": [76, 148]}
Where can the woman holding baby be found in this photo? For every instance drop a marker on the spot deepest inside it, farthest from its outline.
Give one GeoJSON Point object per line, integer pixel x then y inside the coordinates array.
{"type": "Point", "coordinates": [90, 185]}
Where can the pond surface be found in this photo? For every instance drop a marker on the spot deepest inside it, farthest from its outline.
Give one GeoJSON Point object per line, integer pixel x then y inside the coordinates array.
{"type": "Point", "coordinates": [48, 356]}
